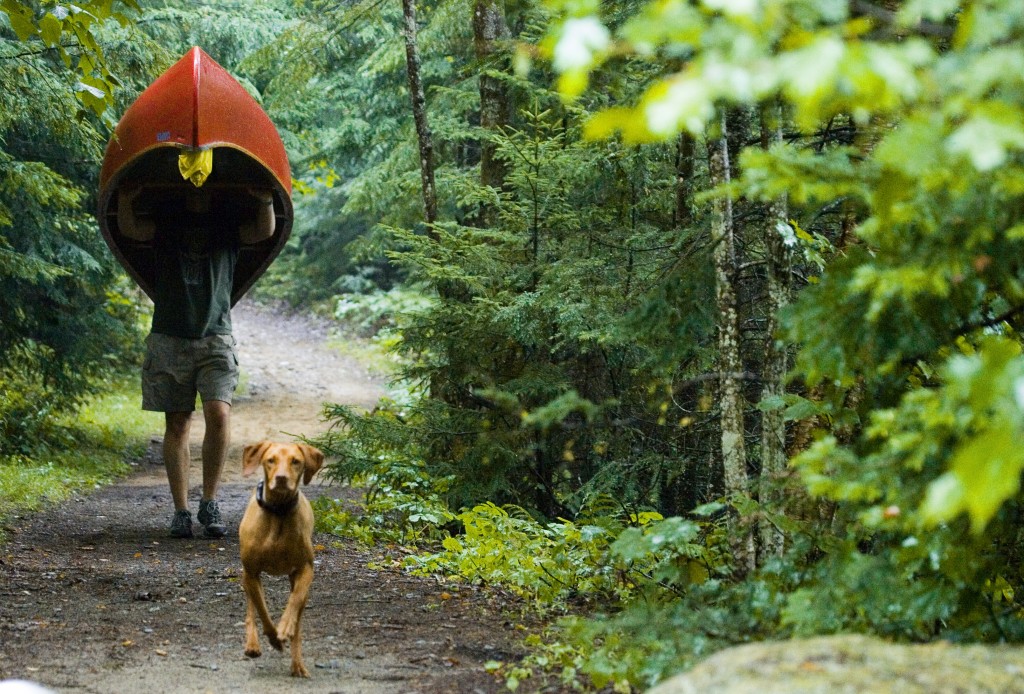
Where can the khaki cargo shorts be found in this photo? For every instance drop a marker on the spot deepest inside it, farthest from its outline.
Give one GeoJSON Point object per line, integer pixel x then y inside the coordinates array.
{"type": "Point", "coordinates": [177, 368]}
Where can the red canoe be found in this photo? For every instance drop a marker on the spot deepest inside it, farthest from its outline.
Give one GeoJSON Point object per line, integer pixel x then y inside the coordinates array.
{"type": "Point", "coordinates": [196, 105]}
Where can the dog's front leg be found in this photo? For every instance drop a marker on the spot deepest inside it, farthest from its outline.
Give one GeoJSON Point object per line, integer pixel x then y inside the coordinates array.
{"type": "Point", "coordinates": [252, 640]}
{"type": "Point", "coordinates": [291, 620]}
{"type": "Point", "coordinates": [298, 667]}
{"type": "Point", "coordinates": [300, 579]}
{"type": "Point", "coordinates": [256, 604]}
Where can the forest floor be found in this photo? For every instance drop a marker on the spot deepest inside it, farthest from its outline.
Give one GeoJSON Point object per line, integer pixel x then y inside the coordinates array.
{"type": "Point", "coordinates": [96, 597]}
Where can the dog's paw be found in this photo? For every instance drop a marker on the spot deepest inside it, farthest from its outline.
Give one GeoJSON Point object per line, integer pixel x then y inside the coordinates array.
{"type": "Point", "coordinates": [298, 669]}
{"type": "Point", "coordinates": [275, 641]}
{"type": "Point", "coordinates": [286, 627]}
{"type": "Point", "coordinates": [253, 652]}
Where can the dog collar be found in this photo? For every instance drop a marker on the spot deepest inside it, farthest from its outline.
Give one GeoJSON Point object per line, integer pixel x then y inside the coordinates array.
{"type": "Point", "coordinates": [277, 509]}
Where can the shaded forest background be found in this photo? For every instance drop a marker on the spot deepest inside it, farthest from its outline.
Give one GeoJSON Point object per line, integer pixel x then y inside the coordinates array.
{"type": "Point", "coordinates": [705, 315]}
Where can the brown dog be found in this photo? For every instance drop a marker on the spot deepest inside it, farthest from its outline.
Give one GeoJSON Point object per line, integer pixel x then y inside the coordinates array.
{"type": "Point", "coordinates": [276, 536]}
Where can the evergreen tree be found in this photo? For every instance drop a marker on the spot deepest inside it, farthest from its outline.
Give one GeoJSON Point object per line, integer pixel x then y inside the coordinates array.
{"type": "Point", "coordinates": [65, 319]}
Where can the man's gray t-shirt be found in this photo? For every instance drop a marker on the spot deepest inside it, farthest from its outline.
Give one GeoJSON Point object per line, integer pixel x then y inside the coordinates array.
{"type": "Point", "coordinates": [195, 271]}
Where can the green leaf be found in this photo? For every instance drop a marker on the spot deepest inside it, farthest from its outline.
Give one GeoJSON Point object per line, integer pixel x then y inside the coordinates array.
{"type": "Point", "coordinates": [989, 135]}
{"type": "Point", "coordinates": [800, 408]}
{"type": "Point", "coordinates": [989, 469]}
{"type": "Point", "coordinates": [913, 11]}
{"type": "Point", "coordinates": [21, 19]}
{"type": "Point", "coordinates": [709, 509]}
{"type": "Point", "coordinates": [50, 29]}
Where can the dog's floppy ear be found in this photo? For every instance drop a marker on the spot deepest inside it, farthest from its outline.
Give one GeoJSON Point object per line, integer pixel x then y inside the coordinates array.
{"type": "Point", "coordinates": [252, 455]}
{"type": "Point", "coordinates": [314, 461]}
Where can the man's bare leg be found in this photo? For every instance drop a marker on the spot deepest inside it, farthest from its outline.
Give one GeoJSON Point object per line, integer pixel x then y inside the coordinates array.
{"type": "Point", "coordinates": [215, 444]}
{"type": "Point", "coordinates": [215, 450]}
{"type": "Point", "coordinates": [177, 457]}
{"type": "Point", "coordinates": [176, 461]}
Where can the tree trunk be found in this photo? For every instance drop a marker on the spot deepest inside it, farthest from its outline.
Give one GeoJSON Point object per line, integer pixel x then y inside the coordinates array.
{"type": "Point", "coordinates": [683, 212]}
{"type": "Point", "coordinates": [439, 385]}
{"type": "Point", "coordinates": [778, 255]}
{"type": "Point", "coordinates": [419, 114]}
{"type": "Point", "coordinates": [730, 365]}
{"type": "Point", "coordinates": [490, 27]}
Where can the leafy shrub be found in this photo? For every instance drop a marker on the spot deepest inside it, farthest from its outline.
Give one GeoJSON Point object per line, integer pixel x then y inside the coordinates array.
{"type": "Point", "coordinates": [79, 449]}
{"type": "Point", "coordinates": [394, 512]}
{"type": "Point", "coordinates": [26, 414]}
{"type": "Point", "coordinates": [546, 563]}
{"type": "Point", "coordinates": [598, 559]}
{"type": "Point", "coordinates": [368, 313]}
{"type": "Point", "coordinates": [402, 502]}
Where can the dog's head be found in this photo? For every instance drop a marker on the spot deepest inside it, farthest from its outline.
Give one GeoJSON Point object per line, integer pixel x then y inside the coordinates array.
{"type": "Point", "coordinates": [283, 464]}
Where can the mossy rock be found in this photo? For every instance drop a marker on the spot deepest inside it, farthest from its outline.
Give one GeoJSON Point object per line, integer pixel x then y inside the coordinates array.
{"type": "Point", "coordinates": [847, 664]}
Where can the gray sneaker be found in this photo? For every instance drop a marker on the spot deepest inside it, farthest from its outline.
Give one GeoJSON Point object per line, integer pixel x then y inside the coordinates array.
{"type": "Point", "coordinates": [209, 516]}
{"type": "Point", "coordinates": [181, 524]}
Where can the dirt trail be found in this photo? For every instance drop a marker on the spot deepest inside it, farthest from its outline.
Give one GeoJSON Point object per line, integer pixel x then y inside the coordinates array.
{"type": "Point", "coordinates": [95, 597]}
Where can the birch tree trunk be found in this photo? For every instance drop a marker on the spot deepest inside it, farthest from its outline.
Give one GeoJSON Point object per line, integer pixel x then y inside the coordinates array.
{"type": "Point", "coordinates": [778, 256]}
{"type": "Point", "coordinates": [419, 114]}
{"type": "Point", "coordinates": [730, 365]}
{"type": "Point", "coordinates": [490, 27]}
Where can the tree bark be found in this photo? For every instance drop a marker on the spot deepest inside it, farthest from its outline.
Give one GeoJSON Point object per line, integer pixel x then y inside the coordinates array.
{"type": "Point", "coordinates": [489, 28]}
{"type": "Point", "coordinates": [419, 114]}
{"type": "Point", "coordinates": [730, 364]}
{"type": "Point", "coordinates": [779, 258]}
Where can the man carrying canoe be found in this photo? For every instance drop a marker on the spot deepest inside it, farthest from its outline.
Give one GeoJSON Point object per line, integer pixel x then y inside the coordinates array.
{"type": "Point", "coordinates": [196, 234]}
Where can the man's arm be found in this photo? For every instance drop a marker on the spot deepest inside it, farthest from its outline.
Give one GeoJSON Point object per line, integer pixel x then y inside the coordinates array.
{"type": "Point", "coordinates": [263, 227]}
{"type": "Point", "coordinates": [128, 223]}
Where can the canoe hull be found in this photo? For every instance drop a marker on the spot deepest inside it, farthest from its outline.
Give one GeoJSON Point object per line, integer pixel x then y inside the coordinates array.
{"type": "Point", "coordinates": [195, 105]}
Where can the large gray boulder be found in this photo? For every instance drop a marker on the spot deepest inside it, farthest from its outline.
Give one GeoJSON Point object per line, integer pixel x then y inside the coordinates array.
{"type": "Point", "coordinates": [848, 664]}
